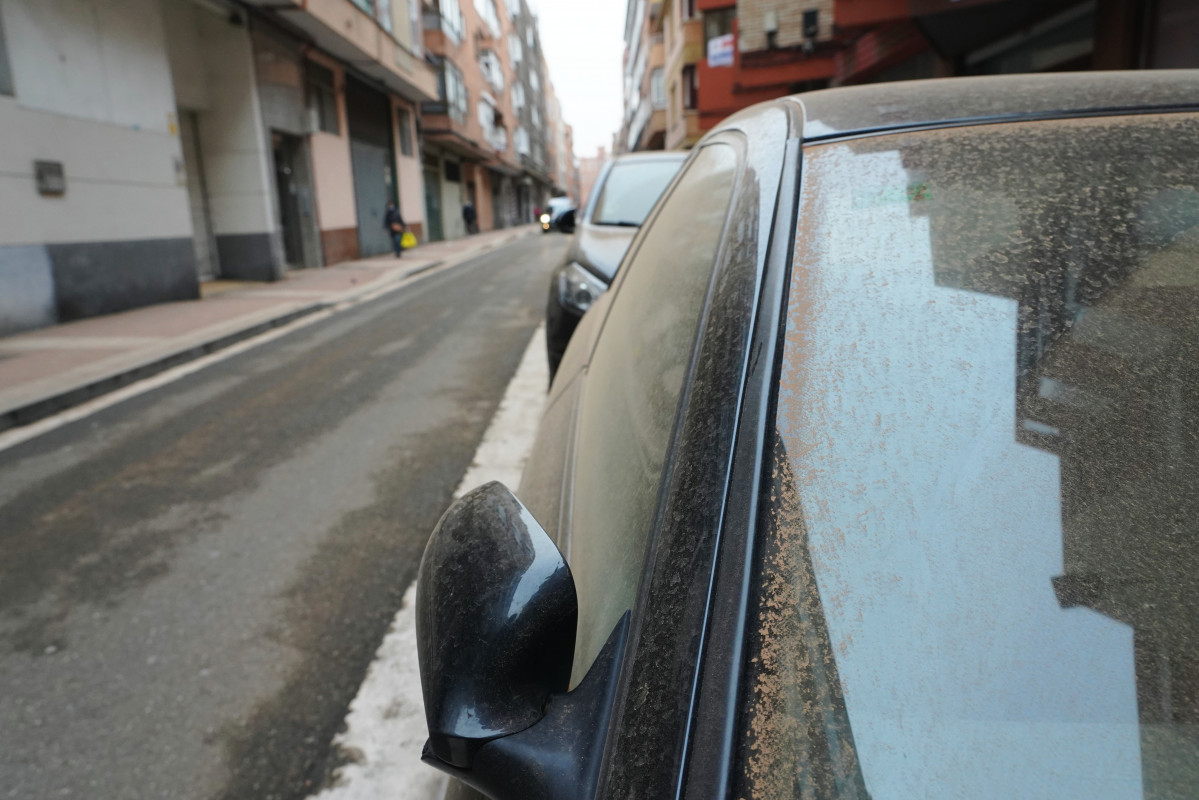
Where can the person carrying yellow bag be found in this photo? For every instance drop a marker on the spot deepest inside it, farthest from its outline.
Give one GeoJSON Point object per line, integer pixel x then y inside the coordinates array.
{"type": "Point", "coordinates": [395, 226]}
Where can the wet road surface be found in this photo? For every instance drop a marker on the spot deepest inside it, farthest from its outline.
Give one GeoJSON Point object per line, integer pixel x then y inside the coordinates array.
{"type": "Point", "coordinates": [193, 582]}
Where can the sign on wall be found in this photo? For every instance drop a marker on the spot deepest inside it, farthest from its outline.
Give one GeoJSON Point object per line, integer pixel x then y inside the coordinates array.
{"type": "Point", "coordinates": [720, 51]}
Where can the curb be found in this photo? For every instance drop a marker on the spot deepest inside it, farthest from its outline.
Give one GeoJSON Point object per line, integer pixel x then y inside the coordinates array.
{"type": "Point", "coordinates": [77, 395]}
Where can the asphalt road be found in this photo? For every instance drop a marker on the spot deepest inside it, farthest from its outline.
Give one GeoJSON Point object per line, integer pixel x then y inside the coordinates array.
{"type": "Point", "coordinates": [193, 582]}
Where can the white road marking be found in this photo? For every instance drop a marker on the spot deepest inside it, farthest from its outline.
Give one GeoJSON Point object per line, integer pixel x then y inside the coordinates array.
{"type": "Point", "coordinates": [385, 729]}
{"type": "Point", "coordinates": [15, 436]}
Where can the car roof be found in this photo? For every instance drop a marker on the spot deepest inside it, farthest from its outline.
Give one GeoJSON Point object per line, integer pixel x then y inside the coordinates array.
{"type": "Point", "coordinates": [858, 110]}
{"type": "Point", "coordinates": [652, 155]}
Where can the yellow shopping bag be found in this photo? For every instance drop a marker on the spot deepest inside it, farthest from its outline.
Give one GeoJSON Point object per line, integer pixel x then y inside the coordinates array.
{"type": "Point", "coordinates": [408, 240]}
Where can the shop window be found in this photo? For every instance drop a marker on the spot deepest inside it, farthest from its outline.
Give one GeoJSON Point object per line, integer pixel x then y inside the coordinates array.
{"type": "Point", "coordinates": [404, 120]}
{"type": "Point", "coordinates": [322, 99]}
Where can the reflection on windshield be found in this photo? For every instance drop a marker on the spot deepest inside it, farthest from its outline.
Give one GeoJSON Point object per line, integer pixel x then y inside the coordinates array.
{"type": "Point", "coordinates": [989, 401]}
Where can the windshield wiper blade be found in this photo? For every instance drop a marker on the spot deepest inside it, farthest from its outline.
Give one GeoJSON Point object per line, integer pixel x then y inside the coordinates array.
{"type": "Point", "coordinates": [621, 224]}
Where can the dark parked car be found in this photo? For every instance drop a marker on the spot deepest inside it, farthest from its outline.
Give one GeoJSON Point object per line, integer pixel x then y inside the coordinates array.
{"type": "Point", "coordinates": [624, 193]}
{"type": "Point", "coordinates": [874, 475]}
{"type": "Point", "coordinates": [560, 216]}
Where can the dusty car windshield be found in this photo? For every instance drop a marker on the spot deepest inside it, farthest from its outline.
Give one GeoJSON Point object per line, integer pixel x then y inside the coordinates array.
{"type": "Point", "coordinates": [631, 190]}
{"type": "Point", "coordinates": [981, 572]}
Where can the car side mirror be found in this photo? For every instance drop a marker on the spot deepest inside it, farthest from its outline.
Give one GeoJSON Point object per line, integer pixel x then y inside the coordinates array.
{"type": "Point", "coordinates": [496, 613]}
{"type": "Point", "coordinates": [566, 222]}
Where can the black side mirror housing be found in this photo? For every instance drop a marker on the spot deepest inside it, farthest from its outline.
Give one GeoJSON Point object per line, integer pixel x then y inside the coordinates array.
{"type": "Point", "coordinates": [496, 613]}
{"type": "Point", "coordinates": [566, 222]}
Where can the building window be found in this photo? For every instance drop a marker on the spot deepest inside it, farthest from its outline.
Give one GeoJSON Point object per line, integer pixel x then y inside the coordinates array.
{"type": "Point", "coordinates": [492, 69]}
{"type": "Point", "coordinates": [451, 87]}
{"type": "Point", "coordinates": [521, 141]}
{"type": "Point", "coordinates": [383, 14]}
{"type": "Point", "coordinates": [718, 23]}
{"type": "Point", "coordinates": [516, 50]}
{"type": "Point", "coordinates": [322, 99]}
{"type": "Point", "coordinates": [404, 120]}
{"type": "Point", "coordinates": [657, 88]}
{"type": "Point", "coordinates": [453, 172]}
{"type": "Point", "coordinates": [451, 19]}
{"type": "Point", "coordinates": [486, 11]}
{"type": "Point", "coordinates": [690, 88]}
{"type": "Point", "coordinates": [688, 9]}
{"type": "Point", "coordinates": [6, 86]}
{"type": "Point", "coordinates": [518, 96]}
{"type": "Point", "coordinates": [534, 81]}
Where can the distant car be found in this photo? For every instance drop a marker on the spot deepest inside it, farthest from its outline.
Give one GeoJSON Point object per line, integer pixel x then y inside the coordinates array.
{"type": "Point", "coordinates": [551, 219]}
{"type": "Point", "coordinates": [874, 475]}
{"type": "Point", "coordinates": [625, 191]}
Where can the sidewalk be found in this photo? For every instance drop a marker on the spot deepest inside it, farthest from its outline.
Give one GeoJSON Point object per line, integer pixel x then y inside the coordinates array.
{"type": "Point", "coordinates": [45, 371]}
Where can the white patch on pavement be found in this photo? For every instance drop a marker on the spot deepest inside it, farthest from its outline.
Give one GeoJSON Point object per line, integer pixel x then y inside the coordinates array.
{"type": "Point", "coordinates": [385, 729]}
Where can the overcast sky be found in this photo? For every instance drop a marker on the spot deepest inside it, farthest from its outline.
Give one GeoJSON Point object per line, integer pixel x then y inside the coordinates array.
{"type": "Point", "coordinates": [583, 42]}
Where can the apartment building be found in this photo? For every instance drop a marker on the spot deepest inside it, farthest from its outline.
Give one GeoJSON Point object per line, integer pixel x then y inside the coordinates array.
{"type": "Point", "coordinates": [644, 124]}
{"type": "Point", "coordinates": [720, 56]}
{"type": "Point", "coordinates": [893, 40]}
{"type": "Point", "coordinates": [486, 137]}
{"type": "Point", "coordinates": [151, 145]}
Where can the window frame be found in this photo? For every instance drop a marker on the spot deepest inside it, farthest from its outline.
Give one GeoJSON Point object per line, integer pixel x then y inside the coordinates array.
{"type": "Point", "coordinates": [404, 124]}
{"type": "Point", "coordinates": [668, 491]}
{"type": "Point", "coordinates": [321, 98]}
{"type": "Point", "coordinates": [7, 87]}
{"type": "Point", "coordinates": [681, 737]}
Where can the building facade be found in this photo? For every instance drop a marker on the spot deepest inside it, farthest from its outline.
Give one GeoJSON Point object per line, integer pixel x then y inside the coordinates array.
{"type": "Point", "coordinates": [488, 138]}
{"type": "Point", "coordinates": [151, 145]}
{"type": "Point", "coordinates": [719, 56]}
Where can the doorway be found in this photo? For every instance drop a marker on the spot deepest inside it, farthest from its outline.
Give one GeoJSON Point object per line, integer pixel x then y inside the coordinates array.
{"type": "Point", "coordinates": [433, 204]}
{"type": "Point", "coordinates": [288, 151]}
{"type": "Point", "coordinates": [371, 158]}
{"type": "Point", "coordinates": [203, 238]}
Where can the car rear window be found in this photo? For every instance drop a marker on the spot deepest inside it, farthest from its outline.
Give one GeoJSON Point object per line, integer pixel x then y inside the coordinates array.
{"type": "Point", "coordinates": [631, 190]}
{"type": "Point", "coordinates": [980, 572]}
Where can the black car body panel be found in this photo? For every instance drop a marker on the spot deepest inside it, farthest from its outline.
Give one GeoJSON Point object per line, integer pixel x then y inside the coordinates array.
{"type": "Point", "coordinates": [680, 724]}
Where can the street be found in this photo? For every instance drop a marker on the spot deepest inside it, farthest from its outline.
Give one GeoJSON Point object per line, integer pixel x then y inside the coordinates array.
{"type": "Point", "coordinates": [194, 582]}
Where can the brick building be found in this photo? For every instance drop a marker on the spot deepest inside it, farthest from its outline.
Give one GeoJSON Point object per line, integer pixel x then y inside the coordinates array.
{"type": "Point", "coordinates": [487, 137]}
{"type": "Point", "coordinates": [719, 56]}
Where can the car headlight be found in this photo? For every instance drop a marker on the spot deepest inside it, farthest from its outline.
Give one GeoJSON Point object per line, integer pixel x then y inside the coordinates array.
{"type": "Point", "coordinates": [545, 218]}
{"type": "Point", "coordinates": [578, 288]}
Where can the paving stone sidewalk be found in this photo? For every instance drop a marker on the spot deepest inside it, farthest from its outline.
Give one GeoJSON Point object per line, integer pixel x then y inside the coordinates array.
{"type": "Point", "coordinates": [50, 369]}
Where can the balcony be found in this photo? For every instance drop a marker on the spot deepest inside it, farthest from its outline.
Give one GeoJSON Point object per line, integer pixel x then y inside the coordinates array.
{"type": "Point", "coordinates": [347, 30]}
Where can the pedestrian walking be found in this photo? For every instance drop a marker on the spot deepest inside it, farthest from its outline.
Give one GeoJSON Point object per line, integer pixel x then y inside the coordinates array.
{"type": "Point", "coordinates": [395, 226]}
{"type": "Point", "coordinates": [470, 218]}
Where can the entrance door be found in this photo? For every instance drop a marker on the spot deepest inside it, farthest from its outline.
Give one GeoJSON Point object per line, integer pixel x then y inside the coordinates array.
{"type": "Point", "coordinates": [203, 240]}
{"type": "Point", "coordinates": [433, 205]}
{"type": "Point", "coordinates": [369, 113]}
{"type": "Point", "coordinates": [497, 201]}
{"type": "Point", "coordinates": [287, 150]}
